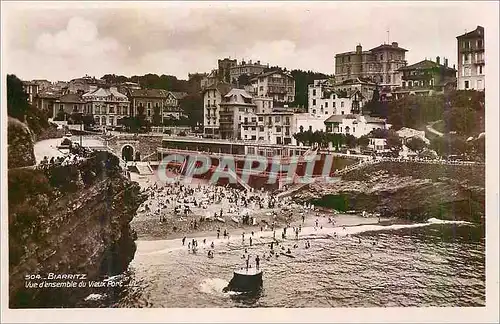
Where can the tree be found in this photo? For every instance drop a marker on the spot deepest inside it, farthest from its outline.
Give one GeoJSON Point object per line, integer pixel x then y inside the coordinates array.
{"type": "Point", "coordinates": [17, 99]}
{"type": "Point", "coordinates": [416, 144]}
{"type": "Point", "coordinates": [393, 141]}
{"type": "Point", "coordinates": [350, 141]}
{"type": "Point", "coordinates": [363, 141]}
{"type": "Point", "coordinates": [192, 105]}
{"type": "Point", "coordinates": [157, 116]}
{"type": "Point", "coordinates": [244, 80]}
{"type": "Point", "coordinates": [449, 144]}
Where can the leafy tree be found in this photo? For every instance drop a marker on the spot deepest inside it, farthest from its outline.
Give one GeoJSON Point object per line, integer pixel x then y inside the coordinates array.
{"type": "Point", "coordinates": [416, 144]}
{"type": "Point", "coordinates": [192, 105]}
{"type": "Point", "coordinates": [363, 141]}
{"type": "Point", "coordinates": [449, 144]}
{"type": "Point", "coordinates": [350, 141]}
{"type": "Point", "coordinates": [302, 80]}
{"type": "Point", "coordinates": [17, 99]}
{"type": "Point", "coordinates": [157, 120]}
{"type": "Point", "coordinates": [244, 80]}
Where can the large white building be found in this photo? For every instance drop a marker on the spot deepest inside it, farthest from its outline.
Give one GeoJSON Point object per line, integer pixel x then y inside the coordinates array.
{"type": "Point", "coordinates": [356, 125]}
{"type": "Point", "coordinates": [107, 105]}
{"type": "Point", "coordinates": [348, 97]}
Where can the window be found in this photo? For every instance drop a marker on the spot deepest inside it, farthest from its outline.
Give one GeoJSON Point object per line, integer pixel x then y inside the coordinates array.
{"type": "Point", "coordinates": [287, 131]}
{"type": "Point", "coordinates": [111, 110]}
{"type": "Point", "coordinates": [254, 137]}
{"type": "Point", "coordinates": [278, 140]}
{"type": "Point", "coordinates": [314, 92]}
{"type": "Point", "coordinates": [310, 128]}
{"type": "Point", "coordinates": [354, 129]}
{"type": "Point", "coordinates": [480, 69]}
{"type": "Point", "coordinates": [149, 105]}
{"type": "Point", "coordinates": [347, 129]}
{"type": "Point", "coordinates": [381, 57]}
{"type": "Point", "coordinates": [466, 84]}
{"type": "Point", "coordinates": [253, 128]}
{"type": "Point", "coordinates": [314, 102]}
{"type": "Point", "coordinates": [326, 112]}
{"type": "Point", "coordinates": [61, 107]}
{"type": "Point", "coordinates": [254, 119]}
{"type": "Point", "coordinates": [333, 104]}
{"type": "Point", "coordinates": [261, 119]}
{"type": "Point", "coordinates": [326, 104]}
{"type": "Point", "coordinates": [278, 129]}
{"type": "Point", "coordinates": [277, 119]}
{"type": "Point", "coordinates": [75, 108]}
{"type": "Point", "coordinates": [479, 43]}
{"type": "Point", "coordinates": [342, 104]}
{"type": "Point", "coordinates": [342, 112]}
{"type": "Point", "coordinates": [403, 84]}
{"type": "Point", "coordinates": [261, 128]}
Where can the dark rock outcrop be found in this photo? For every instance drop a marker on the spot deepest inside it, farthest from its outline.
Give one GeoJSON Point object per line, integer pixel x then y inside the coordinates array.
{"type": "Point", "coordinates": [20, 144]}
{"type": "Point", "coordinates": [404, 190]}
{"type": "Point", "coordinates": [69, 220]}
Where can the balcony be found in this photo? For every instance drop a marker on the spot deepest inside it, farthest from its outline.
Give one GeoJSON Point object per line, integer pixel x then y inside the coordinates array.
{"type": "Point", "coordinates": [479, 62]}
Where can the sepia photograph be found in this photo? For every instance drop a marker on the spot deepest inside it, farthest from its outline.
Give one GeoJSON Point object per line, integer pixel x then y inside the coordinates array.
{"type": "Point", "coordinates": [253, 155]}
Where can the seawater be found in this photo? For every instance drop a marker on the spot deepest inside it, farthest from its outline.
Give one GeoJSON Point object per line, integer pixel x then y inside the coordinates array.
{"type": "Point", "coordinates": [431, 264]}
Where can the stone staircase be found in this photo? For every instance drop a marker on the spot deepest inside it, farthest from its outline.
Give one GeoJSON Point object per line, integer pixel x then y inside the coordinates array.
{"type": "Point", "coordinates": [144, 168]}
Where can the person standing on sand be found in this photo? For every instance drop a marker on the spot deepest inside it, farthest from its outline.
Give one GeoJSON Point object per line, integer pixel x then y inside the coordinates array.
{"type": "Point", "coordinates": [257, 262]}
{"type": "Point", "coordinates": [243, 237]}
{"type": "Point", "coordinates": [250, 241]}
{"type": "Point", "coordinates": [183, 240]}
{"type": "Point", "coordinates": [303, 219]}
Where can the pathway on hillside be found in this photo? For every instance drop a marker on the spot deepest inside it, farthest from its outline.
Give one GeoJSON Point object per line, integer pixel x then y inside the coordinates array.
{"type": "Point", "coordinates": [432, 130]}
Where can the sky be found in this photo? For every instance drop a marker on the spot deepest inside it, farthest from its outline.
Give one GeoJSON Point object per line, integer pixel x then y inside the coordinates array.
{"type": "Point", "coordinates": [64, 41]}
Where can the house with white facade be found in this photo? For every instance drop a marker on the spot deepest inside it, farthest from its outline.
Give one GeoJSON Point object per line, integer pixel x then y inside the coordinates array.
{"type": "Point", "coordinates": [356, 125]}
{"type": "Point", "coordinates": [212, 97]}
{"type": "Point", "coordinates": [348, 97]}
{"type": "Point", "coordinates": [107, 105]}
{"type": "Point", "coordinates": [236, 108]}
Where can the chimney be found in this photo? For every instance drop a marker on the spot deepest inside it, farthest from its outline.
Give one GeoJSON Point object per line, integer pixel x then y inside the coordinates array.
{"type": "Point", "coordinates": [394, 44]}
{"type": "Point", "coordinates": [446, 62]}
{"type": "Point", "coordinates": [250, 62]}
{"type": "Point", "coordinates": [438, 60]}
{"type": "Point", "coordinates": [359, 49]}
{"type": "Point", "coordinates": [258, 62]}
{"type": "Point", "coordinates": [454, 67]}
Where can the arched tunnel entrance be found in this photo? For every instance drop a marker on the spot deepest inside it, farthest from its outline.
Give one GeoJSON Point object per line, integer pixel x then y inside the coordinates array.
{"type": "Point", "coordinates": [128, 153]}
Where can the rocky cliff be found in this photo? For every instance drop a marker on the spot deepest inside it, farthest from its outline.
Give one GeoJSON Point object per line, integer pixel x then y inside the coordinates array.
{"type": "Point", "coordinates": [20, 144]}
{"type": "Point", "coordinates": [68, 220]}
{"type": "Point", "coordinates": [411, 191]}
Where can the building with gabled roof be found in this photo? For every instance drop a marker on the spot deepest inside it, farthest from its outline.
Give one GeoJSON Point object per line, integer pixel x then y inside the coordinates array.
{"type": "Point", "coordinates": [426, 78]}
{"type": "Point", "coordinates": [354, 124]}
{"type": "Point", "coordinates": [471, 60]}
{"type": "Point", "coordinates": [107, 105]}
{"type": "Point", "coordinates": [274, 84]}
